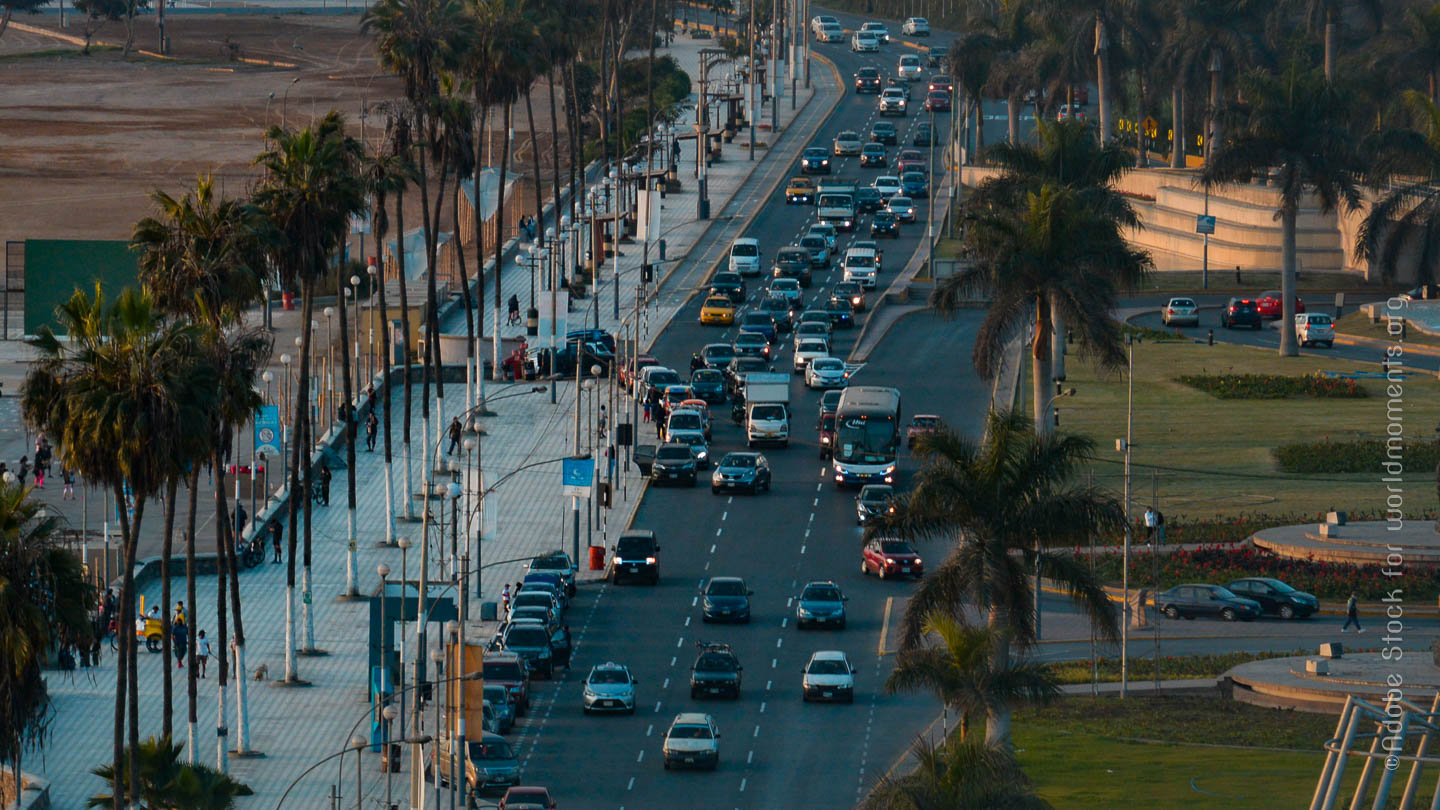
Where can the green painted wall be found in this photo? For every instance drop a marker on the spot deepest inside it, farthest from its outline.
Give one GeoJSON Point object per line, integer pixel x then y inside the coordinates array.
{"type": "Point", "coordinates": [55, 268]}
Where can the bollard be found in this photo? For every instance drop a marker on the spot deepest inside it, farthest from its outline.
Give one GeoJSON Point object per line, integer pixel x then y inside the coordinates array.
{"type": "Point", "coordinates": [1210, 337]}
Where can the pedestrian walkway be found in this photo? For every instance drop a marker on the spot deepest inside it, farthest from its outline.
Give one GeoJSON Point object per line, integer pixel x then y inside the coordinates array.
{"type": "Point", "coordinates": [521, 449]}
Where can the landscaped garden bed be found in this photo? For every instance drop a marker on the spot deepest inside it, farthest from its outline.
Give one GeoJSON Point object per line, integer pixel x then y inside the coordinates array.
{"type": "Point", "coordinates": [1273, 386]}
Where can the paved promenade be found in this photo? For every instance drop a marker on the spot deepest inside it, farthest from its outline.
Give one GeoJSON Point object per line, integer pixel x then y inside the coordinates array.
{"type": "Point", "coordinates": [295, 727]}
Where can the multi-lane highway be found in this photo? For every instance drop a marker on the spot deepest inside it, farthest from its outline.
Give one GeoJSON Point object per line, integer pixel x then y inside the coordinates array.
{"type": "Point", "coordinates": [776, 751]}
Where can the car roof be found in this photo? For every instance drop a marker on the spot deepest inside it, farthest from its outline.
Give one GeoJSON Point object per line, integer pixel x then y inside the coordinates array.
{"type": "Point", "coordinates": [609, 665]}
{"type": "Point", "coordinates": [827, 655]}
{"type": "Point", "coordinates": [746, 240]}
{"type": "Point", "coordinates": [859, 251]}
{"type": "Point", "coordinates": [691, 719]}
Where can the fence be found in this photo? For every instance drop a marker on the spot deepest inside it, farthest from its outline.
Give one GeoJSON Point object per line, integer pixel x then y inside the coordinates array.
{"type": "Point", "coordinates": [12, 319]}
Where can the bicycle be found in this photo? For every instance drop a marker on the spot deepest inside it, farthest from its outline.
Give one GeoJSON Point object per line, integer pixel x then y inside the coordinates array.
{"type": "Point", "coordinates": [253, 553]}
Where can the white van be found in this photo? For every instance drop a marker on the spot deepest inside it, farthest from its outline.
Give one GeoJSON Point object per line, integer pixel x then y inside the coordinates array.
{"type": "Point", "coordinates": [745, 256]}
{"type": "Point", "coordinates": [859, 266]}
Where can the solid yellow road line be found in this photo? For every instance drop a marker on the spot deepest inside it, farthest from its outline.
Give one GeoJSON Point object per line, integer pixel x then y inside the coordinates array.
{"type": "Point", "coordinates": [885, 625]}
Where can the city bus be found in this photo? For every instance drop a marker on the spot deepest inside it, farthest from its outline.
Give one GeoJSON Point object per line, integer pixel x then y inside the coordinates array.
{"type": "Point", "coordinates": [867, 436]}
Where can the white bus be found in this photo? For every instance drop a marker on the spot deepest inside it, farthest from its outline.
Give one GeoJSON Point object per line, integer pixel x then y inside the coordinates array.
{"type": "Point", "coordinates": [867, 436]}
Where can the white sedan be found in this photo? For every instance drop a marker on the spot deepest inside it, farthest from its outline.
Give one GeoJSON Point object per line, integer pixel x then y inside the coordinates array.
{"type": "Point", "coordinates": [916, 27]}
{"type": "Point", "coordinates": [826, 372]}
{"type": "Point", "coordinates": [864, 42]}
{"type": "Point", "coordinates": [887, 184]}
{"type": "Point", "coordinates": [876, 29]}
{"type": "Point", "coordinates": [828, 676]}
{"type": "Point", "coordinates": [787, 288]}
{"type": "Point", "coordinates": [809, 349]}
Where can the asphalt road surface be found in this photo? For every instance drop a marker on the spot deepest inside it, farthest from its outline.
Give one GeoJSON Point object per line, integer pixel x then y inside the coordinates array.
{"type": "Point", "coordinates": [776, 751]}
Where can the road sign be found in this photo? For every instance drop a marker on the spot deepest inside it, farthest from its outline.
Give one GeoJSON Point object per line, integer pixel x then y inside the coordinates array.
{"type": "Point", "coordinates": [577, 476]}
{"type": "Point", "coordinates": [1204, 223]}
{"type": "Point", "coordinates": [1150, 127]}
{"type": "Point", "coordinates": [267, 431]}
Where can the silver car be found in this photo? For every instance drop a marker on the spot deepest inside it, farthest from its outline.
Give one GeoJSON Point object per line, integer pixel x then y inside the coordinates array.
{"type": "Point", "coordinates": [609, 688]}
{"type": "Point", "coordinates": [847, 143]}
{"type": "Point", "coordinates": [826, 372]}
{"type": "Point", "coordinates": [499, 699]}
{"type": "Point", "coordinates": [1181, 312]}
{"type": "Point", "coordinates": [902, 207]}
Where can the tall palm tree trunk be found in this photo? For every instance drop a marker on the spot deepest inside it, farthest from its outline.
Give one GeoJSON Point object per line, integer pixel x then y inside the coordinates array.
{"type": "Point", "coordinates": [166, 552]}
{"type": "Point", "coordinates": [384, 391]}
{"type": "Point", "coordinates": [997, 717]}
{"type": "Point", "coordinates": [222, 652]}
{"type": "Point", "coordinates": [1289, 213]}
{"type": "Point", "coordinates": [131, 532]}
{"type": "Point", "coordinates": [1012, 117]}
{"type": "Point", "coordinates": [125, 636]}
{"type": "Point", "coordinates": [499, 244]}
{"type": "Point", "coordinates": [351, 543]}
{"type": "Point", "coordinates": [427, 362]}
{"type": "Point", "coordinates": [979, 125]}
{"type": "Point", "coordinates": [192, 716]}
{"type": "Point", "coordinates": [432, 316]}
{"type": "Point", "coordinates": [1102, 77]}
{"type": "Point", "coordinates": [1215, 135]}
{"type": "Point", "coordinates": [1041, 372]}
{"type": "Point", "coordinates": [555, 152]}
{"type": "Point", "coordinates": [1177, 125]}
{"type": "Point", "coordinates": [465, 285]}
{"type": "Point", "coordinates": [577, 129]}
{"type": "Point", "coordinates": [229, 538]}
{"type": "Point", "coordinates": [307, 600]}
{"type": "Point", "coordinates": [539, 206]}
{"type": "Point", "coordinates": [1057, 341]}
{"type": "Point", "coordinates": [409, 489]}
{"type": "Point", "coordinates": [478, 225]}
{"type": "Point", "coordinates": [300, 462]}
{"type": "Point", "coordinates": [1331, 36]}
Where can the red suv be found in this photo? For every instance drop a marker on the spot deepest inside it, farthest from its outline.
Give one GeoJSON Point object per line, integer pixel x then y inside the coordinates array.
{"type": "Point", "coordinates": [921, 424]}
{"type": "Point", "coordinates": [1268, 305]}
{"type": "Point", "coordinates": [509, 669]}
{"type": "Point", "coordinates": [891, 558]}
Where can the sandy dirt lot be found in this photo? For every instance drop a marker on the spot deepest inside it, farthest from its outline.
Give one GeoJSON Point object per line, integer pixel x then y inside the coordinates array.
{"type": "Point", "coordinates": [85, 139]}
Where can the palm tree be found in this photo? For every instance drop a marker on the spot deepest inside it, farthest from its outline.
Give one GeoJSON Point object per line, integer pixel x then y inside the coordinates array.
{"type": "Point", "coordinates": [1407, 216]}
{"type": "Point", "coordinates": [1203, 37]}
{"type": "Point", "coordinates": [961, 672]}
{"type": "Point", "coordinates": [166, 782]}
{"type": "Point", "coordinates": [972, 59]}
{"type": "Point", "coordinates": [957, 776]}
{"type": "Point", "coordinates": [1049, 251]}
{"type": "Point", "coordinates": [120, 396]}
{"type": "Point", "coordinates": [1097, 27]}
{"type": "Point", "coordinates": [44, 601]}
{"type": "Point", "coordinates": [1300, 125]}
{"type": "Point", "coordinates": [1421, 35]}
{"type": "Point", "coordinates": [1000, 505]}
{"type": "Point", "coordinates": [1328, 15]}
{"type": "Point", "coordinates": [312, 186]}
{"type": "Point", "coordinates": [1066, 157]}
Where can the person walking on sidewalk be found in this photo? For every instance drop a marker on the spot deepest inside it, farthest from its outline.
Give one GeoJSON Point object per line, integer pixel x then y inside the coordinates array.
{"type": "Point", "coordinates": [276, 535]}
{"type": "Point", "coordinates": [324, 483]}
{"type": "Point", "coordinates": [1352, 614]}
{"type": "Point", "coordinates": [179, 639]}
{"type": "Point", "coordinates": [603, 420]}
{"type": "Point", "coordinates": [372, 425]}
{"type": "Point", "coordinates": [456, 431]}
{"type": "Point", "coordinates": [67, 476]}
{"type": "Point", "coordinates": [241, 520]}
{"type": "Point", "coordinates": [514, 311]}
{"type": "Point", "coordinates": [24, 471]}
{"type": "Point", "coordinates": [202, 652]}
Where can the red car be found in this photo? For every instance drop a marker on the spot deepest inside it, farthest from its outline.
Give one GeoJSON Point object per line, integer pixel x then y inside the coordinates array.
{"type": "Point", "coordinates": [507, 669]}
{"type": "Point", "coordinates": [921, 424]}
{"type": "Point", "coordinates": [527, 798]}
{"type": "Point", "coordinates": [1268, 305]}
{"type": "Point", "coordinates": [891, 558]}
{"type": "Point", "coordinates": [940, 82]}
{"type": "Point", "coordinates": [641, 361]}
{"type": "Point", "coordinates": [937, 101]}
{"type": "Point", "coordinates": [910, 160]}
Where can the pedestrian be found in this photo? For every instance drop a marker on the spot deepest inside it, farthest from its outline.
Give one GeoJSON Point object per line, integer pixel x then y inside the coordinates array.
{"type": "Point", "coordinates": [202, 651]}
{"type": "Point", "coordinates": [241, 519]}
{"type": "Point", "coordinates": [647, 410]}
{"type": "Point", "coordinates": [67, 476]}
{"type": "Point", "coordinates": [275, 535]}
{"type": "Point", "coordinates": [108, 605]}
{"type": "Point", "coordinates": [1150, 514]}
{"type": "Point", "coordinates": [1352, 614]}
{"type": "Point", "coordinates": [603, 420]}
{"type": "Point", "coordinates": [696, 363]}
{"type": "Point", "coordinates": [179, 639]}
{"type": "Point", "coordinates": [513, 307]}
{"type": "Point", "coordinates": [324, 483]}
{"type": "Point", "coordinates": [24, 469]}
{"type": "Point", "coordinates": [660, 426]}
{"type": "Point", "coordinates": [456, 431]}
{"type": "Point", "coordinates": [179, 612]}
{"type": "Point", "coordinates": [42, 462]}
{"type": "Point", "coordinates": [505, 599]}
{"type": "Point", "coordinates": [372, 426]}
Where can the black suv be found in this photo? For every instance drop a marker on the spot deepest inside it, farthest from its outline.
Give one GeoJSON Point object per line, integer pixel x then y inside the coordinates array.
{"type": "Point", "coordinates": [1240, 312]}
{"type": "Point", "coordinates": [673, 464]}
{"type": "Point", "coordinates": [883, 132]}
{"type": "Point", "coordinates": [779, 309]}
{"type": "Point", "coordinates": [792, 262]}
{"type": "Point", "coordinates": [840, 312]}
{"type": "Point", "coordinates": [716, 671]}
{"type": "Point", "coordinates": [738, 368]}
{"type": "Point", "coordinates": [729, 285]}
{"type": "Point", "coordinates": [637, 555]}
{"type": "Point", "coordinates": [868, 200]}
{"type": "Point", "coordinates": [885, 223]}
{"type": "Point", "coordinates": [867, 80]}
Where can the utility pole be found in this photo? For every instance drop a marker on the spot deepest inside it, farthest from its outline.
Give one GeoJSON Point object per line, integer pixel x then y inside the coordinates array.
{"type": "Point", "coordinates": [1125, 557]}
{"type": "Point", "coordinates": [750, 78]}
{"type": "Point", "coordinates": [774, 77]}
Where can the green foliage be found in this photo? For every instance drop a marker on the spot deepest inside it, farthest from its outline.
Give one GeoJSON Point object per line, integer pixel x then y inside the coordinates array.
{"type": "Point", "coordinates": [1181, 719]}
{"type": "Point", "coordinates": [1149, 333]}
{"type": "Point", "coordinates": [1274, 386]}
{"type": "Point", "coordinates": [1172, 667]}
{"type": "Point", "coordinates": [1361, 456]}
{"type": "Point", "coordinates": [957, 775]}
{"type": "Point", "coordinates": [166, 782]}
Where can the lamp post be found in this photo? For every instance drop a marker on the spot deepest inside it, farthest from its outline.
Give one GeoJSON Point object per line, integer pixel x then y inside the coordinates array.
{"type": "Point", "coordinates": [1124, 446]}
{"type": "Point", "coordinates": [565, 227]}
{"type": "Point", "coordinates": [404, 544]}
{"type": "Point", "coordinates": [615, 176]}
{"type": "Point", "coordinates": [285, 102]}
{"type": "Point", "coordinates": [575, 499]}
{"type": "Point", "coordinates": [1059, 394]}
{"type": "Point", "coordinates": [329, 405]}
{"type": "Point", "coordinates": [355, 297]}
{"type": "Point", "coordinates": [373, 272]}
{"type": "Point", "coordinates": [269, 376]}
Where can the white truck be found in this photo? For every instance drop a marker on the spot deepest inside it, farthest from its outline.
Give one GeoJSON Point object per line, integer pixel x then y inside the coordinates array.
{"type": "Point", "coordinates": [767, 408]}
{"type": "Point", "coordinates": [835, 204]}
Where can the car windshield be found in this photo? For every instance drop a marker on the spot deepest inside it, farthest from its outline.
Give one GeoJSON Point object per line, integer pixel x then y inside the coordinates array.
{"type": "Point", "coordinates": [502, 671]}
{"type": "Point", "coordinates": [828, 667]}
{"type": "Point", "coordinates": [868, 73]}
{"type": "Point", "coordinates": [786, 284]}
{"type": "Point", "coordinates": [524, 635]}
{"type": "Point", "coordinates": [827, 364]}
{"type": "Point", "coordinates": [749, 364]}
{"type": "Point", "coordinates": [690, 733]}
{"type": "Point", "coordinates": [768, 412]}
{"type": "Point", "coordinates": [716, 662]}
{"type": "Point", "coordinates": [884, 216]}
{"type": "Point", "coordinates": [533, 612]}
{"type": "Point", "coordinates": [725, 587]}
{"type": "Point", "coordinates": [895, 547]}
{"type": "Point", "coordinates": [533, 597]}
{"type": "Point", "coordinates": [910, 61]}
{"type": "Point", "coordinates": [737, 460]}
{"type": "Point", "coordinates": [914, 177]}
{"type": "Point", "coordinates": [827, 422]}
{"type": "Point", "coordinates": [811, 346]}
{"type": "Point", "coordinates": [1222, 592]}
{"type": "Point", "coordinates": [496, 750]}
{"type": "Point", "coordinates": [691, 439]}
{"type": "Point", "coordinates": [686, 421]}
{"type": "Point", "coordinates": [556, 563]}
{"type": "Point", "coordinates": [790, 255]}
{"type": "Point", "coordinates": [727, 278]}
{"type": "Point", "coordinates": [1182, 302]}
{"type": "Point", "coordinates": [631, 547]}
{"type": "Point", "coordinates": [706, 375]}
{"type": "Point", "coordinates": [927, 421]}
{"type": "Point", "coordinates": [861, 260]}
{"type": "Point", "coordinates": [821, 593]}
{"type": "Point", "coordinates": [750, 339]}
{"type": "Point", "coordinates": [901, 202]}
{"type": "Point", "coordinates": [497, 693]}
{"type": "Point", "coordinates": [873, 494]}
{"type": "Point", "coordinates": [757, 319]}
{"type": "Point", "coordinates": [609, 676]}
{"type": "Point", "coordinates": [673, 453]}
{"type": "Point", "coordinates": [723, 303]}
{"type": "Point", "coordinates": [1278, 586]}
{"type": "Point", "coordinates": [813, 242]}
{"type": "Point", "coordinates": [664, 377]}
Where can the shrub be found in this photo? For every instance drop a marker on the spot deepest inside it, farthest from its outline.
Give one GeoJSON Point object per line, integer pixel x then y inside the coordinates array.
{"type": "Point", "coordinates": [1154, 335]}
{"type": "Point", "coordinates": [1172, 667]}
{"type": "Point", "coordinates": [1273, 386]}
{"type": "Point", "coordinates": [1362, 456]}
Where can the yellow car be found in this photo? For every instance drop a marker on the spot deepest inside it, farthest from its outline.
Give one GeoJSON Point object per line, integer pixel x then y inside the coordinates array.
{"type": "Point", "coordinates": [801, 190]}
{"type": "Point", "coordinates": [718, 310]}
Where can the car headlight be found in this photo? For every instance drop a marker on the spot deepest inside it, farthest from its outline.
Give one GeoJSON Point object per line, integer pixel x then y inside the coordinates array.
{"type": "Point", "coordinates": [702, 454]}
{"type": "Point", "coordinates": [804, 611]}
{"type": "Point", "coordinates": [824, 439]}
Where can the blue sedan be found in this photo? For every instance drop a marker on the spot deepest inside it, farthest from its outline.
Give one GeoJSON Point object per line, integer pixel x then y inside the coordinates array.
{"type": "Point", "coordinates": [913, 184]}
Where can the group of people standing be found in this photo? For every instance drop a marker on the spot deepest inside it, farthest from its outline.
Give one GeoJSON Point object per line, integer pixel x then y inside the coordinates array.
{"type": "Point", "coordinates": [28, 473]}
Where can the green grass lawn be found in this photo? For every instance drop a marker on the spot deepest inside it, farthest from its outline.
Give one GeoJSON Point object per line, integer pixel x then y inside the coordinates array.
{"type": "Point", "coordinates": [1177, 426]}
{"type": "Point", "coordinates": [1173, 752]}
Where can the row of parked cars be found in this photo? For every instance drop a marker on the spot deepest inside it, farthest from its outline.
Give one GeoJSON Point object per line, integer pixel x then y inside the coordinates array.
{"type": "Point", "coordinates": [1243, 600]}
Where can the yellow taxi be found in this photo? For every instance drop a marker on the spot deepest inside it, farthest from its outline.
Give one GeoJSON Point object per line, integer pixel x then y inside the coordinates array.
{"type": "Point", "coordinates": [801, 190]}
{"type": "Point", "coordinates": [717, 310]}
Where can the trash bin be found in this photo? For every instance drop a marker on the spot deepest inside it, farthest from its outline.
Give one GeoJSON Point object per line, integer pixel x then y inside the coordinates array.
{"type": "Point", "coordinates": [597, 558]}
{"type": "Point", "coordinates": [287, 301]}
{"type": "Point", "coordinates": [489, 612]}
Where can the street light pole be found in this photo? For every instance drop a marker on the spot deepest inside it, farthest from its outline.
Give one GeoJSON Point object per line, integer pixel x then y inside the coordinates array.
{"type": "Point", "coordinates": [615, 239]}
{"type": "Point", "coordinates": [1125, 557]}
{"type": "Point", "coordinates": [750, 77]}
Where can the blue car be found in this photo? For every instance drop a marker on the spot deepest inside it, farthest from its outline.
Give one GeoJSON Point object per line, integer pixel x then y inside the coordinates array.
{"type": "Point", "coordinates": [820, 605]}
{"type": "Point", "coordinates": [725, 599]}
{"type": "Point", "coordinates": [913, 184]}
{"type": "Point", "coordinates": [761, 322]}
{"type": "Point", "coordinates": [708, 384]}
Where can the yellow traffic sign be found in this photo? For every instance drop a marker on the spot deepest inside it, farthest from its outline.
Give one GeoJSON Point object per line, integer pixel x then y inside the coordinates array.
{"type": "Point", "coordinates": [1150, 127]}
